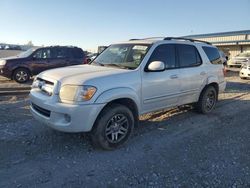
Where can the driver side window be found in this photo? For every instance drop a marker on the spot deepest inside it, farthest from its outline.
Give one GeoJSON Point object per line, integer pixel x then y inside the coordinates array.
{"type": "Point", "coordinates": [166, 54]}
{"type": "Point", "coordinates": [42, 54]}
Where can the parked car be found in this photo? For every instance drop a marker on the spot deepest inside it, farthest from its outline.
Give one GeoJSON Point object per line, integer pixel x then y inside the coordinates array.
{"type": "Point", "coordinates": [239, 59]}
{"type": "Point", "coordinates": [127, 80]}
{"type": "Point", "coordinates": [245, 70]}
{"type": "Point", "coordinates": [90, 57]}
{"type": "Point", "coordinates": [34, 61]}
{"type": "Point", "coordinates": [224, 58]}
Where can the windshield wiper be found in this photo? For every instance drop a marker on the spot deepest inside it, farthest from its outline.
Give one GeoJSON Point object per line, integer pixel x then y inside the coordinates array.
{"type": "Point", "coordinates": [118, 65]}
{"type": "Point", "coordinates": [97, 63]}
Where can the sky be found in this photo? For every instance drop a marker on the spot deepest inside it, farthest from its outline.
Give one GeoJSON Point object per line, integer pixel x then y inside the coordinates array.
{"type": "Point", "coordinates": [91, 23]}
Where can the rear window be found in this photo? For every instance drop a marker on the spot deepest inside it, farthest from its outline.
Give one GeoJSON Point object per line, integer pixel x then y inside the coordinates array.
{"type": "Point", "coordinates": [212, 54]}
{"type": "Point", "coordinates": [77, 53]}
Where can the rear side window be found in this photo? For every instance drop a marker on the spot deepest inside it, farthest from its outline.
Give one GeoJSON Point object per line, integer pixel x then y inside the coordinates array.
{"type": "Point", "coordinates": [166, 54]}
{"type": "Point", "coordinates": [77, 53]}
{"type": "Point", "coordinates": [212, 54]}
{"type": "Point", "coordinates": [188, 55]}
{"type": "Point", "coordinates": [60, 53]}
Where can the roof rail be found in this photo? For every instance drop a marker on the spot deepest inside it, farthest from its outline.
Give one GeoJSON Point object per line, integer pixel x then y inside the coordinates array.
{"type": "Point", "coordinates": [134, 39]}
{"type": "Point", "coordinates": [188, 39]}
{"type": "Point", "coordinates": [148, 38]}
{"type": "Point", "coordinates": [154, 38]}
{"type": "Point", "coordinates": [174, 38]}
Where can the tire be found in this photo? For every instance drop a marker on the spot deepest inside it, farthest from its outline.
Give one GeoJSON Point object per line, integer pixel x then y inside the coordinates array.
{"type": "Point", "coordinates": [21, 75]}
{"type": "Point", "coordinates": [113, 127]}
{"type": "Point", "coordinates": [243, 78]}
{"type": "Point", "coordinates": [207, 100]}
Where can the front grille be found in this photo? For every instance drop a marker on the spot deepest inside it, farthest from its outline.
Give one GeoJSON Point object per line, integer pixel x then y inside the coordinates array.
{"type": "Point", "coordinates": [45, 86]}
{"type": "Point", "coordinates": [46, 81]}
{"type": "Point", "coordinates": [40, 110]}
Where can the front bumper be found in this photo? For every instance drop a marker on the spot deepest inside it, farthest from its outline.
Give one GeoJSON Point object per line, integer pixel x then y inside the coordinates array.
{"type": "Point", "coordinates": [5, 72]}
{"type": "Point", "coordinates": [64, 117]}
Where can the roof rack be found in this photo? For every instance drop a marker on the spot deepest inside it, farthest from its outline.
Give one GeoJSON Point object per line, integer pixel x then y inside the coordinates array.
{"type": "Point", "coordinates": [148, 38]}
{"type": "Point", "coordinates": [174, 38]}
{"type": "Point", "coordinates": [188, 39]}
{"type": "Point", "coordinates": [133, 39]}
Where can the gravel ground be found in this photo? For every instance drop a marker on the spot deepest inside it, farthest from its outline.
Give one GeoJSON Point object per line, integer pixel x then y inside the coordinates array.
{"type": "Point", "coordinates": [174, 148]}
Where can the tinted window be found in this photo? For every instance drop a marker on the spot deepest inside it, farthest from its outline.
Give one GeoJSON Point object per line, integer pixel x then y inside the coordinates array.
{"type": "Point", "coordinates": [77, 53]}
{"type": "Point", "coordinates": [42, 54]}
{"type": "Point", "coordinates": [212, 54]}
{"type": "Point", "coordinates": [166, 54]}
{"type": "Point", "coordinates": [60, 53]}
{"type": "Point", "coordinates": [188, 55]}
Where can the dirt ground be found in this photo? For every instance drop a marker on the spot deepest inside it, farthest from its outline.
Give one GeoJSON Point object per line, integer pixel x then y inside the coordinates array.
{"type": "Point", "coordinates": [174, 148]}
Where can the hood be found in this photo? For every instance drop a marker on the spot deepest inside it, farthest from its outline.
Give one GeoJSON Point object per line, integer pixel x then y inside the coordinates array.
{"type": "Point", "coordinates": [13, 58]}
{"type": "Point", "coordinates": [79, 74]}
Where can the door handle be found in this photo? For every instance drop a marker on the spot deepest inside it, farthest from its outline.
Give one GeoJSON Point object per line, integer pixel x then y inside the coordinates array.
{"type": "Point", "coordinates": [203, 73]}
{"type": "Point", "coordinates": [173, 76]}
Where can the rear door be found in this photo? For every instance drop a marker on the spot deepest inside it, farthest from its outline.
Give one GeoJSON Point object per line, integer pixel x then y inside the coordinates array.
{"type": "Point", "coordinates": [60, 57]}
{"type": "Point", "coordinates": [192, 73]}
{"type": "Point", "coordinates": [161, 89]}
{"type": "Point", "coordinates": [76, 56]}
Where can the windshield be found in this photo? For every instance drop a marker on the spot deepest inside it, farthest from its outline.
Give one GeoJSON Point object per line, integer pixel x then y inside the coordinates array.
{"type": "Point", "coordinates": [127, 56]}
{"type": "Point", "coordinates": [26, 53]}
{"type": "Point", "coordinates": [246, 54]}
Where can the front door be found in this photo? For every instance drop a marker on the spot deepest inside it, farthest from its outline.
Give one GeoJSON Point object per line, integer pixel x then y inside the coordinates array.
{"type": "Point", "coordinates": [161, 89]}
{"type": "Point", "coordinates": [40, 60]}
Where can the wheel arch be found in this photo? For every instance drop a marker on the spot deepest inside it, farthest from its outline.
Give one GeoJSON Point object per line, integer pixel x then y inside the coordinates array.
{"type": "Point", "coordinates": [20, 67]}
{"type": "Point", "coordinates": [127, 102]}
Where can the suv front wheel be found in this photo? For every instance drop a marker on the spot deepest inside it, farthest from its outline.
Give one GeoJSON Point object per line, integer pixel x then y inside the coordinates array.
{"type": "Point", "coordinates": [21, 75]}
{"type": "Point", "coordinates": [113, 127]}
{"type": "Point", "coordinates": [207, 100]}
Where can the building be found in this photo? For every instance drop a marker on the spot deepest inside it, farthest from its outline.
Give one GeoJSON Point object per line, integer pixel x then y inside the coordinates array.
{"type": "Point", "coordinates": [231, 43]}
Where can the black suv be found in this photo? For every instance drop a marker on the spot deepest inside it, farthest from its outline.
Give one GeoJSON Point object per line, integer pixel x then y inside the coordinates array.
{"type": "Point", "coordinates": [34, 61]}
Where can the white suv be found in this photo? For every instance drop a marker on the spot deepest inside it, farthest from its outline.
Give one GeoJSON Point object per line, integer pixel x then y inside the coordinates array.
{"type": "Point", "coordinates": [126, 80]}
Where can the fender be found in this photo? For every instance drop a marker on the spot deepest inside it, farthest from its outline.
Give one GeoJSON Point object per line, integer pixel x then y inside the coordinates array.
{"type": "Point", "coordinates": [209, 80]}
{"type": "Point", "coordinates": [212, 79]}
{"type": "Point", "coordinates": [118, 93]}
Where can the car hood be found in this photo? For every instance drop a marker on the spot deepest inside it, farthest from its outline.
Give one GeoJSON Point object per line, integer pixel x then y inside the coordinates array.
{"type": "Point", "coordinates": [13, 58]}
{"type": "Point", "coordinates": [79, 74]}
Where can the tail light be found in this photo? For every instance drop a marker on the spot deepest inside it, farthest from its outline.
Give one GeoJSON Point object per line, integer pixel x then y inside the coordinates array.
{"type": "Point", "coordinates": [224, 70]}
{"type": "Point", "coordinates": [85, 60]}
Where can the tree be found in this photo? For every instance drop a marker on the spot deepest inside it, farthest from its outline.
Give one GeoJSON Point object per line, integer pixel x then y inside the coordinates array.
{"type": "Point", "coordinates": [30, 43]}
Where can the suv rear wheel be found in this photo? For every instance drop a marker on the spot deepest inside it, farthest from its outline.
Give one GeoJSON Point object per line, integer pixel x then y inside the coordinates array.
{"type": "Point", "coordinates": [113, 127]}
{"type": "Point", "coordinates": [21, 75]}
{"type": "Point", "coordinates": [207, 100]}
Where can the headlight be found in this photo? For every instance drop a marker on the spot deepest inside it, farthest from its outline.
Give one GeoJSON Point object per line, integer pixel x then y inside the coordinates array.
{"type": "Point", "coordinates": [35, 83]}
{"type": "Point", "coordinates": [75, 93]}
{"type": "Point", "coordinates": [2, 62]}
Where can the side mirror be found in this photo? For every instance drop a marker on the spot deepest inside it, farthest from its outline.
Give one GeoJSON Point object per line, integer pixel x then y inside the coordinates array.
{"type": "Point", "coordinates": [156, 66]}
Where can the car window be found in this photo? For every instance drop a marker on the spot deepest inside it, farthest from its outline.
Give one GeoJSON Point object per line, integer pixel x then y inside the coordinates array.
{"type": "Point", "coordinates": [166, 54]}
{"type": "Point", "coordinates": [77, 53]}
{"type": "Point", "coordinates": [42, 54]}
{"type": "Point", "coordinates": [60, 53]}
{"type": "Point", "coordinates": [128, 56]}
{"type": "Point", "coordinates": [212, 54]}
{"type": "Point", "coordinates": [188, 55]}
